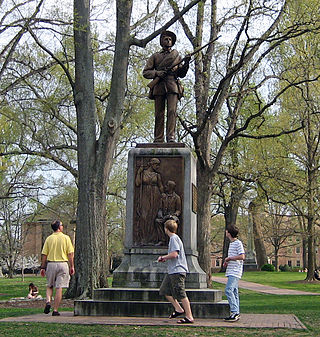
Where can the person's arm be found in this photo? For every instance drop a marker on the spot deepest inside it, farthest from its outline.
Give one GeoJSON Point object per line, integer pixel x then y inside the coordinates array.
{"type": "Point", "coordinates": [172, 255]}
{"type": "Point", "coordinates": [138, 179]}
{"type": "Point", "coordinates": [235, 258]}
{"type": "Point", "coordinates": [178, 206]}
{"type": "Point", "coordinates": [71, 263]}
{"type": "Point", "coordinates": [43, 265]}
{"type": "Point", "coordinates": [161, 188]}
{"type": "Point", "coordinates": [149, 70]}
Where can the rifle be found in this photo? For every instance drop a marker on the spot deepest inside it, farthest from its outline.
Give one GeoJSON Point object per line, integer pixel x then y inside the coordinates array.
{"type": "Point", "coordinates": [157, 79]}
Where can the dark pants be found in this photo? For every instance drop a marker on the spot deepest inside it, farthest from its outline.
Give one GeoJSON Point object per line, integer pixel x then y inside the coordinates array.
{"type": "Point", "coordinates": [160, 106]}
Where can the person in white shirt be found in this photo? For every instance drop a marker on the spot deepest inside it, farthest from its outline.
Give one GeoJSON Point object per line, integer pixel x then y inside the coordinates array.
{"type": "Point", "coordinates": [234, 265]}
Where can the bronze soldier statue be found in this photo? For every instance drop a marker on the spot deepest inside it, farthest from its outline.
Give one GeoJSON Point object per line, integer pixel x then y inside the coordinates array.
{"type": "Point", "coordinates": [165, 67]}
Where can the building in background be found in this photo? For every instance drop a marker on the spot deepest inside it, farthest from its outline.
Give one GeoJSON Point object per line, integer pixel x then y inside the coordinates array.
{"type": "Point", "coordinates": [34, 234]}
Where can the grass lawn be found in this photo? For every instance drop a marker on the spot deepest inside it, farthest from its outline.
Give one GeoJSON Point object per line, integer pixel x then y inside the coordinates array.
{"type": "Point", "coordinates": [306, 308]}
{"type": "Point", "coordinates": [285, 280]}
{"type": "Point", "coordinates": [15, 287]}
{"type": "Point", "coordinates": [64, 330]}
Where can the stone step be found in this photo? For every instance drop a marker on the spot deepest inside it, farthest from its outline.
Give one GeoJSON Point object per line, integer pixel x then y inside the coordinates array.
{"type": "Point", "coordinates": [142, 271]}
{"type": "Point", "coordinates": [144, 294]}
{"type": "Point", "coordinates": [146, 309]}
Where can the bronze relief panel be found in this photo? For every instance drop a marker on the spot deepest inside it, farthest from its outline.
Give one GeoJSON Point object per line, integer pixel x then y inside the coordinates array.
{"type": "Point", "coordinates": [158, 196]}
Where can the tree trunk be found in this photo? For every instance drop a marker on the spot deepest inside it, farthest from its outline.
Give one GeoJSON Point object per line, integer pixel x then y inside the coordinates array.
{"type": "Point", "coordinates": [304, 252]}
{"type": "Point", "coordinates": [10, 265]}
{"type": "Point", "coordinates": [304, 242]}
{"type": "Point", "coordinates": [311, 185]}
{"type": "Point", "coordinates": [311, 255]}
{"type": "Point", "coordinates": [311, 248]}
{"type": "Point", "coordinates": [10, 272]}
{"type": "Point", "coordinates": [95, 157]}
{"type": "Point", "coordinates": [276, 258]}
{"type": "Point", "coordinates": [261, 254]}
{"type": "Point", "coordinates": [203, 224]}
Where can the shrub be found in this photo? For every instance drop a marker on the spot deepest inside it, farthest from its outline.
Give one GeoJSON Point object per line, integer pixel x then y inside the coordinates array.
{"type": "Point", "coordinates": [268, 267]}
{"type": "Point", "coordinates": [295, 269]}
{"type": "Point", "coordinates": [284, 268]}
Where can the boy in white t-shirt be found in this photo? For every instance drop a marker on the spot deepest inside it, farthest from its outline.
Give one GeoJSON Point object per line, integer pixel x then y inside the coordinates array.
{"type": "Point", "coordinates": [234, 265]}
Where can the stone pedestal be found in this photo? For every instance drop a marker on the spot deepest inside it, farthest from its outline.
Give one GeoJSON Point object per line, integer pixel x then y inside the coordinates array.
{"type": "Point", "coordinates": [250, 263]}
{"type": "Point", "coordinates": [138, 268]}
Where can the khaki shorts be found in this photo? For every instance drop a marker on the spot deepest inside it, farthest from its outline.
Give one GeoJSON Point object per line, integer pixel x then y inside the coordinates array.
{"type": "Point", "coordinates": [57, 274]}
{"type": "Point", "coordinates": [173, 285]}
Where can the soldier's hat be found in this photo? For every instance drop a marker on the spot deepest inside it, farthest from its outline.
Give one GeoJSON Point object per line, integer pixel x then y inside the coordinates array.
{"type": "Point", "coordinates": [169, 33]}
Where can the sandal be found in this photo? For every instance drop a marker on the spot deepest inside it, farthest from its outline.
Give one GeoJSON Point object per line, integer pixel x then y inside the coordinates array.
{"type": "Point", "coordinates": [176, 314]}
{"type": "Point", "coordinates": [185, 320]}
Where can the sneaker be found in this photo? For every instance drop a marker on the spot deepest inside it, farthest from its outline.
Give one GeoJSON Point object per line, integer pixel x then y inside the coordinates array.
{"type": "Point", "coordinates": [232, 318]}
{"type": "Point", "coordinates": [47, 308]}
{"type": "Point", "coordinates": [55, 313]}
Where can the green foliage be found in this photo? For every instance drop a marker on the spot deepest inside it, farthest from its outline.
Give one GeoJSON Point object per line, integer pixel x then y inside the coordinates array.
{"type": "Point", "coordinates": [63, 205]}
{"type": "Point", "coordinates": [287, 268]}
{"type": "Point", "coordinates": [268, 267]}
{"type": "Point", "coordinates": [295, 269]}
{"type": "Point", "coordinates": [284, 268]}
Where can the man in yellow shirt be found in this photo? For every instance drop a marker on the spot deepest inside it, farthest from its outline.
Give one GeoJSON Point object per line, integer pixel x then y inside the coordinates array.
{"type": "Point", "coordinates": [57, 264]}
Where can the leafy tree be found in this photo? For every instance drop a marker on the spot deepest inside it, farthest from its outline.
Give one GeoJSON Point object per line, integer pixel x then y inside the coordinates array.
{"type": "Point", "coordinates": [62, 205]}
{"type": "Point", "coordinates": [297, 179]}
{"type": "Point", "coordinates": [278, 227]}
{"type": "Point", "coordinates": [13, 213]}
{"type": "Point", "coordinates": [222, 87]}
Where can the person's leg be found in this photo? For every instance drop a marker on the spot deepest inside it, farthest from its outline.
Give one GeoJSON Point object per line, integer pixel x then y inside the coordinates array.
{"type": "Point", "coordinates": [62, 281]}
{"type": "Point", "coordinates": [187, 308]}
{"type": "Point", "coordinates": [166, 290]}
{"type": "Point", "coordinates": [231, 285]}
{"type": "Point", "coordinates": [171, 117]}
{"type": "Point", "coordinates": [57, 299]}
{"type": "Point", "coordinates": [175, 303]}
{"type": "Point", "coordinates": [236, 296]}
{"type": "Point", "coordinates": [159, 107]}
{"type": "Point", "coordinates": [49, 294]}
{"type": "Point", "coordinates": [50, 275]}
{"type": "Point", "coordinates": [178, 285]}
{"type": "Point", "coordinates": [159, 233]}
